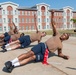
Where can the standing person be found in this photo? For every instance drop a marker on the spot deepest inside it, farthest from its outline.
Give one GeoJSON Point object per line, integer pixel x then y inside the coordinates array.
{"type": "Point", "coordinates": [25, 40]}
{"type": "Point", "coordinates": [38, 52]}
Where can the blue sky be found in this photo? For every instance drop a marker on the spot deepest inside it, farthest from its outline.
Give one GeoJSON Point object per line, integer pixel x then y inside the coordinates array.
{"type": "Point", "coordinates": [53, 3]}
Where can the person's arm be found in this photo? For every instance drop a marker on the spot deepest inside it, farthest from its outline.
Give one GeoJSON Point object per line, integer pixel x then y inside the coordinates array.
{"type": "Point", "coordinates": [14, 25]}
{"type": "Point", "coordinates": [11, 28]}
{"type": "Point", "coordinates": [60, 54]}
{"type": "Point", "coordinates": [38, 41]}
{"type": "Point", "coordinates": [35, 23]}
{"type": "Point", "coordinates": [55, 32]}
{"type": "Point", "coordinates": [15, 29]}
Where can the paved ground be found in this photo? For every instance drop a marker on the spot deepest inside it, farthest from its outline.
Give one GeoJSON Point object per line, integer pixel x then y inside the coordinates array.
{"type": "Point", "coordinates": [59, 66]}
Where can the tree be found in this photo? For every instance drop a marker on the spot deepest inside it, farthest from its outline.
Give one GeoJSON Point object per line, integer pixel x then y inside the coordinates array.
{"type": "Point", "coordinates": [74, 21]}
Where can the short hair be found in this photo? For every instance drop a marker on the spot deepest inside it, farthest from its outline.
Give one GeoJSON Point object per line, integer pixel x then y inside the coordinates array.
{"type": "Point", "coordinates": [67, 35]}
{"type": "Point", "coordinates": [44, 32]}
{"type": "Point", "coordinates": [22, 34]}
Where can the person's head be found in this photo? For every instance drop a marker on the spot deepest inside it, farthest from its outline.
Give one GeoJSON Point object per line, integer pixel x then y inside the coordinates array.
{"type": "Point", "coordinates": [43, 34]}
{"type": "Point", "coordinates": [64, 36]}
{"type": "Point", "coordinates": [22, 34]}
{"type": "Point", "coordinates": [15, 30]}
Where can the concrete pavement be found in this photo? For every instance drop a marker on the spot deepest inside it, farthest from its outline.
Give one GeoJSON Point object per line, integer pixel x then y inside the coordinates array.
{"type": "Point", "coordinates": [58, 66]}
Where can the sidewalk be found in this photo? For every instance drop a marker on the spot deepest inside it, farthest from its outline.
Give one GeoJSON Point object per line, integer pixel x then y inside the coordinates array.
{"type": "Point", "coordinates": [58, 66]}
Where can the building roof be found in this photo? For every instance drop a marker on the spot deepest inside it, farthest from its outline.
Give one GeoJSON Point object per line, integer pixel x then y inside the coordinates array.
{"type": "Point", "coordinates": [57, 10]}
{"type": "Point", "coordinates": [3, 3]}
{"type": "Point", "coordinates": [27, 8]}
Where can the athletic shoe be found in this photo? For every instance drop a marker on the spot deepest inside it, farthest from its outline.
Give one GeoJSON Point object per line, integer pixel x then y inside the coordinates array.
{"type": "Point", "coordinates": [10, 69]}
{"type": "Point", "coordinates": [3, 47]}
{"type": "Point", "coordinates": [8, 64]}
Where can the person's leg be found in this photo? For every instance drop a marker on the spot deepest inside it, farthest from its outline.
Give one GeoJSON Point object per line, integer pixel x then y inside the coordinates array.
{"type": "Point", "coordinates": [25, 61]}
{"type": "Point", "coordinates": [13, 47]}
{"type": "Point", "coordinates": [2, 36]}
{"type": "Point", "coordinates": [2, 43]}
{"type": "Point", "coordinates": [12, 43]}
{"type": "Point", "coordinates": [21, 60]}
{"type": "Point", "coordinates": [25, 55]}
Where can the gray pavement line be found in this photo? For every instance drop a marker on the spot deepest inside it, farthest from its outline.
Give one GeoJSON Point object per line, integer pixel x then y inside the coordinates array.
{"type": "Point", "coordinates": [58, 69]}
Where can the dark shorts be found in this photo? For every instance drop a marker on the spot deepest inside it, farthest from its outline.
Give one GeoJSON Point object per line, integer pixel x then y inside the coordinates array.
{"type": "Point", "coordinates": [6, 38]}
{"type": "Point", "coordinates": [39, 51]}
{"type": "Point", "coordinates": [25, 41]}
{"type": "Point", "coordinates": [6, 34]}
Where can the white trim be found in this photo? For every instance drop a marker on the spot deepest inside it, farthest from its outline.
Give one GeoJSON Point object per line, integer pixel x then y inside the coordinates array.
{"type": "Point", "coordinates": [9, 2]}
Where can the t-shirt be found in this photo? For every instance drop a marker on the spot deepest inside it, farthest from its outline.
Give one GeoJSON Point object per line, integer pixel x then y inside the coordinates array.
{"type": "Point", "coordinates": [15, 37]}
{"type": "Point", "coordinates": [54, 43]}
{"type": "Point", "coordinates": [35, 36]}
{"type": "Point", "coordinates": [11, 32]}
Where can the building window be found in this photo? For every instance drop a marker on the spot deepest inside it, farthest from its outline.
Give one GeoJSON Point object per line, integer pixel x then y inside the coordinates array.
{"type": "Point", "coordinates": [15, 12]}
{"type": "Point", "coordinates": [32, 20]}
{"type": "Point", "coordinates": [32, 27]}
{"type": "Point", "coordinates": [0, 12]}
{"type": "Point", "coordinates": [23, 13]}
{"type": "Point", "coordinates": [19, 20]}
{"type": "Point", "coordinates": [4, 28]}
{"type": "Point", "coordinates": [8, 28]}
{"type": "Point", "coordinates": [0, 28]}
{"type": "Point", "coordinates": [39, 26]}
{"type": "Point", "coordinates": [18, 12]}
{"type": "Point", "coordinates": [15, 20]}
{"type": "Point", "coordinates": [22, 28]}
{"type": "Point", "coordinates": [38, 13]}
{"type": "Point", "coordinates": [32, 12]}
{"type": "Point", "coordinates": [4, 20]}
{"type": "Point", "coordinates": [27, 20]}
{"type": "Point", "coordinates": [44, 20]}
{"type": "Point", "coordinates": [47, 20]}
{"type": "Point", "coordinates": [28, 13]}
{"type": "Point", "coordinates": [39, 20]}
{"type": "Point", "coordinates": [44, 27]}
{"type": "Point", "coordinates": [0, 20]}
{"type": "Point", "coordinates": [22, 20]}
{"type": "Point", "coordinates": [48, 13]}
{"type": "Point", "coordinates": [48, 27]}
{"type": "Point", "coordinates": [3, 12]}
{"type": "Point", "coordinates": [26, 27]}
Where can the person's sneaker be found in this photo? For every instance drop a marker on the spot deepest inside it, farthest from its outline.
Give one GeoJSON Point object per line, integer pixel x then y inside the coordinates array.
{"type": "Point", "coordinates": [8, 64]}
{"type": "Point", "coordinates": [3, 47]}
{"type": "Point", "coordinates": [10, 69]}
{"type": "Point", "coordinates": [4, 50]}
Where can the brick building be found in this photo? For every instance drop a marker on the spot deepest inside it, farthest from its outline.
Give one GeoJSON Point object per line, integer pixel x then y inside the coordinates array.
{"type": "Point", "coordinates": [23, 17]}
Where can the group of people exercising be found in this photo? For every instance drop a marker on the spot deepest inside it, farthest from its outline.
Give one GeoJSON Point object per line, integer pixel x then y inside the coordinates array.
{"type": "Point", "coordinates": [14, 39]}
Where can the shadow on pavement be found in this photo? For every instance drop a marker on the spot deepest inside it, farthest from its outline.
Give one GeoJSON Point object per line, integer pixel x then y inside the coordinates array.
{"type": "Point", "coordinates": [71, 68]}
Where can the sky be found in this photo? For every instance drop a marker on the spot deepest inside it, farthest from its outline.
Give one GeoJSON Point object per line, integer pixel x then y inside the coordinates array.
{"type": "Point", "coordinates": [58, 4]}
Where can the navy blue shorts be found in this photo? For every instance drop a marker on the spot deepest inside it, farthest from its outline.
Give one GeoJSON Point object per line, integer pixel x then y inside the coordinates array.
{"type": "Point", "coordinates": [6, 34]}
{"type": "Point", "coordinates": [25, 41]}
{"type": "Point", "coordinates": [6, 37]}
{"type": "Point", "coordinates": [39, 51]}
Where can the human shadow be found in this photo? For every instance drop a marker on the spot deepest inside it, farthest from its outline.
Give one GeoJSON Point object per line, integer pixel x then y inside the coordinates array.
{"type": "Point", "coordinates": [52, 54]}
{"type": "Point", "coordinates": [30, 46]}
{"type": "Point", "coordinates": [71, 68]}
